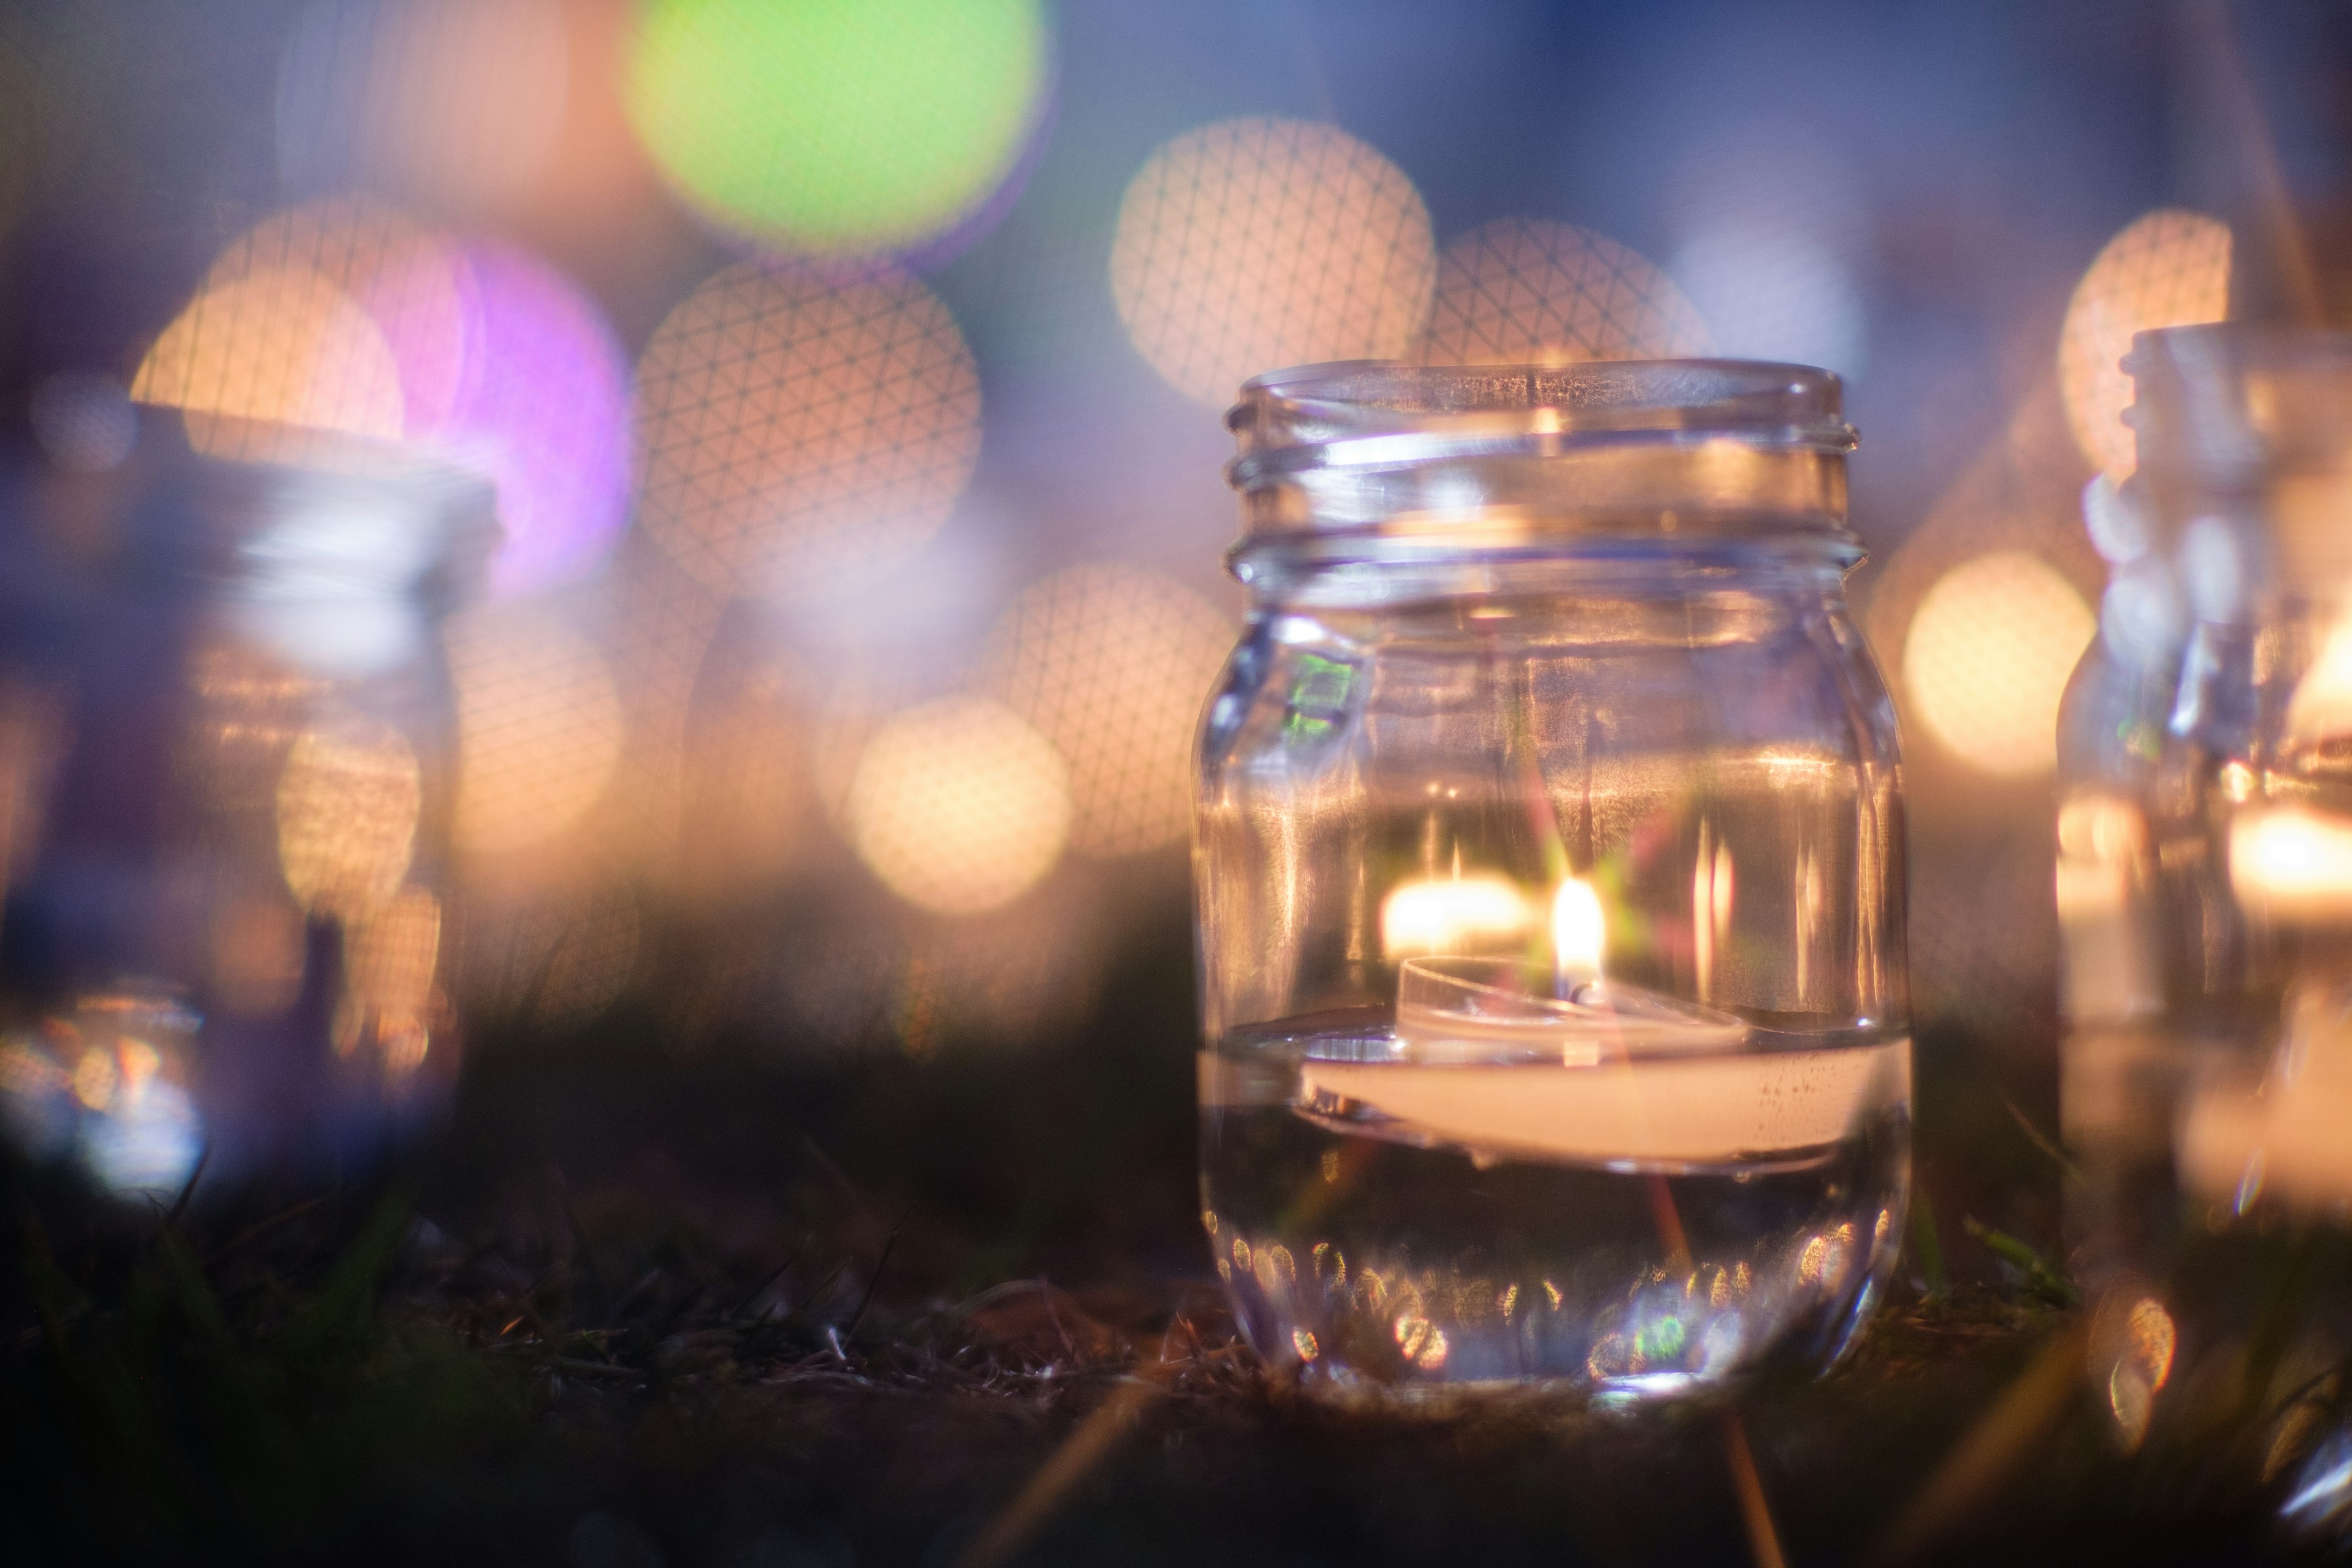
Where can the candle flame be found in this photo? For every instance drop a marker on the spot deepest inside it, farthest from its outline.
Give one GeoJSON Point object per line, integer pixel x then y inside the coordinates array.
{"type": "Point", "coordinates": [2297, 864]}
{"type": "Point", "coordinates": [1448, 914]}
{"type": "Point", "coordinates": [1578, 932]}
{"type": "Point", "coordinates": [1710, 905]}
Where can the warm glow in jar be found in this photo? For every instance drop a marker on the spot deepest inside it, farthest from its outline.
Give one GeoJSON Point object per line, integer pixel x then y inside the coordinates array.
{"type": "Point", "coordinates": [1550, 882]}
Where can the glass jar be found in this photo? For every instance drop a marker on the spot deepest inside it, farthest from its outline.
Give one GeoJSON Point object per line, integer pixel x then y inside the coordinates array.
{"type": "Point", "coordinates": [2206, 1111]}
{"type": "Point", "coordinates": [1549, 869]}
{"type": "Point", "coordinates": [224, 935]}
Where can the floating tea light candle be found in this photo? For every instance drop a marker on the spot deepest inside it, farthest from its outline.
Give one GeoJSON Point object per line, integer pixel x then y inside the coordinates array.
{"type": "Point", "coordinates": [1662, 1083]}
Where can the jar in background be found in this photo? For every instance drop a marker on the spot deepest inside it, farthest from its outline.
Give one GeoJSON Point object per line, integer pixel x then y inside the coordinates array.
{"type": "Point", "coordinates": [225, 931]}
{"type": "Point", "coordinates": [2206, 1099]}
{"type": "Point", "coordinates": [1550, 872]}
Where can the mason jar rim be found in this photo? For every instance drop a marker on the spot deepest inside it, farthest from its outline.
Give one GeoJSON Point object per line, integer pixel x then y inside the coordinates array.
{"type": "Point", "coordinates": [1309, 405]}
{"type": "Point", "coordinates": [1461, 456]}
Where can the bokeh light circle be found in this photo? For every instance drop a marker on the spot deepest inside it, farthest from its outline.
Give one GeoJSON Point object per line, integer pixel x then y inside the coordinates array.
{"type": "Point", "coordinates": [2168, 268]}
{"type": "Point", "coordinates": [280, 346]}
{"type": "Point", "coordinates": [1111, 664]}
{"type": "Point", "coordinates": [837, 125]}
{"type": "Point", "coordinates": [541, 410]}
{"type": "Point", "coordinates": [959, 806]}
{"type": "Point", "coordinates": [1524, 291]}
{"type": "Point", "coordinates": [1250, 244]}
{"type": "Point", "coordinates": [345, 315]}
{"type": "Point", "coordinates": [540, 727]}
{"type": "Point", "coordinates": [1987, 660]}
{"type": "Point", "coordinates": [340, 315]}
{"type": "Point", "coordinates": [795, 434]}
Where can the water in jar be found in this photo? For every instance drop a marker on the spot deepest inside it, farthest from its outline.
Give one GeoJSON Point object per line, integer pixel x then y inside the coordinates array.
{"type": "Point", "coordinates": [1636, 1227]}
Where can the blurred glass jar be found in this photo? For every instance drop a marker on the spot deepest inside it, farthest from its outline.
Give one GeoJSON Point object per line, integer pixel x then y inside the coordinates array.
{"type": "Point", "coordinates": [1550, 885]}
{"type": "Point", "coordinates": [2205, 898]}
{"type": "Point", "coordinates": [228, 869]}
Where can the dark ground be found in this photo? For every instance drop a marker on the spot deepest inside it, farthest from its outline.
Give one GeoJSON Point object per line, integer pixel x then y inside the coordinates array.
{"type": "Point", "coordinates": [638, 1309]}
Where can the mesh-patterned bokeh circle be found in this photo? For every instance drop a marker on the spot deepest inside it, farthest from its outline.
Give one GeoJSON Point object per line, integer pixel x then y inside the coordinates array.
{"type": "Point", "coordinates": [2166, 268]}
{"type": "Point", "coordinates": [1522, 290]}
{"type": "Point", "coordinates": [794, 432]}
{"type": "Point", "coordinates": [1111, 664]}
{"type": "Point", "coordinates": [959, 805]}
{"type": "Point", "coordinates": [1250, 244]}
{"type": "Point", "coordinates": [338, 315]}
{"type": "Point", "coordinates": [541, 723]}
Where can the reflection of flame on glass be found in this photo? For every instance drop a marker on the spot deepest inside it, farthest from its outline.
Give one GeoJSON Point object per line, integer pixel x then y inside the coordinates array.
{"type": "Point", "coordinates": [389, 963]}
{"type": "Point", "coordinates": [841, 125]}
{"type": "Point", "coordinates": [1111, 664]}
{"type": "Point", "coordinates": [1579, 934]}
{"type": "Point", "coordinates": [1451, 915]}
{"type": "Point", "coordinates": [2293, 864]}
{"type": "Point", "coordinates": [250, 707]}
{"type": "Point", "coordinates": [1519, 291]}
{"type": "Point", "coordinates": [279, 346]}
{"type": "Point", "coordinates": [792, 432]}
{"type": "Point", "coordinates": [347, 805]}
{"type": "Point", "coordinates": [455, 99]}
{"type": "Point", "coordinates": [959, 805]}
{"type": "Point", "coordinates": [1251, 244]}
{"type": "Point", "coordinates": [2141, 1338]}
{"type": "Point", "coordinates": [1822, 1261]}
{"type": "Point", "coordinates": [1711, 895]}
{"type": "Point", "coordinates": [1987, 657]}
{"type": "Point", "coordinates": [2153, 1339]}
{"type": "Point", "coordinates": [2169, 268]}
{"type": "Point", "coordinates": [539, 727]}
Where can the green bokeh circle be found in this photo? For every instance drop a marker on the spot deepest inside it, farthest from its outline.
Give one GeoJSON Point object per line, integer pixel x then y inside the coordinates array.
{"type": "Point", "coordinates": [836, 125]}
